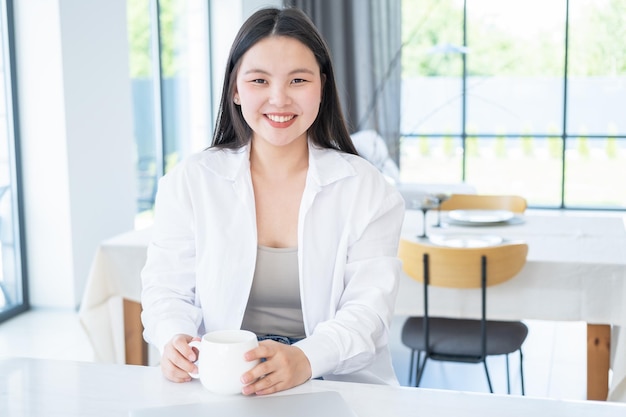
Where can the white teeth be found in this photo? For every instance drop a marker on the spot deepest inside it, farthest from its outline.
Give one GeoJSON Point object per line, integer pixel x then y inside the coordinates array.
{"type": "Point", "coordinates": [280, 119]}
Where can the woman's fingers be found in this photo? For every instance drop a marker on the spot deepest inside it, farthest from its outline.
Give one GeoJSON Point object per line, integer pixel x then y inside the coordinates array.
{"type": "Point", "coordinates": [177, 360]}
{"type": "Point", "coordinates": [283, 367]}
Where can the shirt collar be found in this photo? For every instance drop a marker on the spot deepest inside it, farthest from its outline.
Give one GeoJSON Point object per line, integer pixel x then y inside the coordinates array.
{"type": "Point", "coordinates": [326, 166]}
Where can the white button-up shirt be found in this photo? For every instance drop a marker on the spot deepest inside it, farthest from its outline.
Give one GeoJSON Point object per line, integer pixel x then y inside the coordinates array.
{"type": "Point", "coordinates": [201, 259]}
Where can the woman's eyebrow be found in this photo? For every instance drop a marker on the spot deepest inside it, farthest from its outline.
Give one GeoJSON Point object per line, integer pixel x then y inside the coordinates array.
{"type": "Point", "coordinates": [256, 71]}
{"type": "Point", "coordinates": [295, 71]}
{"type": "Point", "coordinates": [300, 70]}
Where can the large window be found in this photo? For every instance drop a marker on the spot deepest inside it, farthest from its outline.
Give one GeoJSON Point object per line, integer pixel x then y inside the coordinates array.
{"type": "Point", "coordinates": [170, 71]}
{"type": "Point", "coordinates": [523, 97]}
{"type": "Point", "coordinates": [13, 294]}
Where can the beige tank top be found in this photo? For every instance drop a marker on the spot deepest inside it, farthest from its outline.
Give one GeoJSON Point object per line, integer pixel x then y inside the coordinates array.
{"type": "Point", "coordinates": [274, 304]}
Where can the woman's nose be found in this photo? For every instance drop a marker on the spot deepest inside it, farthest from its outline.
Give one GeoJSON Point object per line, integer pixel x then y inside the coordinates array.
{"type": "Point", "coordinates": [279, 96]}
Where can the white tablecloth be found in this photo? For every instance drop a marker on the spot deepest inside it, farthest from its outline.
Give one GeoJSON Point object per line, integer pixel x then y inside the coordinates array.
{"type": "Point", "coordinates": [576, 271]}
{"type": "Point", "coordinates": [114, 276]}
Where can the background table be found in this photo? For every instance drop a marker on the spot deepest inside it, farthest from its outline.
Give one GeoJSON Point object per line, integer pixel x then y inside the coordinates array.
{"type": "Point", "coordinates": [576, 271]}
{"type": "Point", "coordinates": [110, 309]}
{"type": "Point", "coordinates": [39, 387]}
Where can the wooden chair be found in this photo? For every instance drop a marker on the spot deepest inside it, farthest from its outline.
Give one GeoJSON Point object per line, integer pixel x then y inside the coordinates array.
{"type": "Point", "coordinates": [514, 203]}
{"type": "Point", "coordinates": [462, 340]}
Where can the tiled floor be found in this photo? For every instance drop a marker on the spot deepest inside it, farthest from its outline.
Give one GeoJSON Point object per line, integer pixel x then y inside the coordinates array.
{"type": "Point", "coordinates": [554, 355]}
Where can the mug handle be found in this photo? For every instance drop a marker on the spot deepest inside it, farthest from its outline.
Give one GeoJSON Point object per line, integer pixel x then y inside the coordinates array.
{"type": "Point", "coordinates": [195, 344]}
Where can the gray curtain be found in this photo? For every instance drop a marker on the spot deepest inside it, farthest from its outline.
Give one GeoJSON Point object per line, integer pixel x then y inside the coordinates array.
{"type": "Point", "coordinates": [365, 40]}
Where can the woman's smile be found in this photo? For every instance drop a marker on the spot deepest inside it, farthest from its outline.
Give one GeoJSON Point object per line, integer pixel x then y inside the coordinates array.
{"type": "Point", "coordinates": [281, 121]}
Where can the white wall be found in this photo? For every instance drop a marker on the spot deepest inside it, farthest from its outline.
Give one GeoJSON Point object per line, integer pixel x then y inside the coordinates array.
{"type": "Point", "coordinates": [76, 137]}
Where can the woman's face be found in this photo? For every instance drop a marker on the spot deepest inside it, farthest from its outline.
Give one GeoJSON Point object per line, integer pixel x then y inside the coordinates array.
{"type": "Point", "coordinates": [279, 88]}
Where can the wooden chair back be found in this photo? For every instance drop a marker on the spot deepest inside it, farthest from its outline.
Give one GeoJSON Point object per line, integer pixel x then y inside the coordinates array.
{"type": "Point", "coordinates": [461, 267]}
{"type": "Point", "coordinates": [514, 203]}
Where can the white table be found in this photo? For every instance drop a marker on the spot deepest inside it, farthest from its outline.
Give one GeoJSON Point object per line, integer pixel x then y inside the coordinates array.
{"type": "Point", "coordinates": [576, 271]}
{"type": "Point", "coordinates": [114, 287]}
{"type": "Point", "coordinates": [41, 387]}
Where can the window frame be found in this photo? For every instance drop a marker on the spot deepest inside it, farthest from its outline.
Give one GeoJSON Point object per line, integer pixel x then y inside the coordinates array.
{"type": "Point", "coordinates": [8, 37]}
{"type": "Point", "coordinates": [565, 136]}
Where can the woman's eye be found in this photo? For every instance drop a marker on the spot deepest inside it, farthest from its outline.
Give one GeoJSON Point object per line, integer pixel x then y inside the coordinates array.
{"type": "Point", "coordinates": [298, 81]}
{"type": "Point", "coordinates": [258, 81]}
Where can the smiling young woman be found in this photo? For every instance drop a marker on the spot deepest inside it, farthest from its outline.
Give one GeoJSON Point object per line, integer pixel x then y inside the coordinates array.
{"type": "Point", "coordinates": [279, 227]}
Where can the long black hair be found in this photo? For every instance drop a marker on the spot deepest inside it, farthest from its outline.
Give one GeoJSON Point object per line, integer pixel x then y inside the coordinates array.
{"type": "Point", "coordinates": [329, 128]}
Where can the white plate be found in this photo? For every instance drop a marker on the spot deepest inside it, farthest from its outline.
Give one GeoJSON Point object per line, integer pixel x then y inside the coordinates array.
{"type": "Point", "coordinates": [481, 216]}
{"type": "Point", "coordinates": [466, 241]}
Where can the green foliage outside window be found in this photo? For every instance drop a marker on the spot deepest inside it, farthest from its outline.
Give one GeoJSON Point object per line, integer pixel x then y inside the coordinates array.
{"type": "Point", "coordinates": [471, 146]}
{"type": "Point", "coordinates": [428, 24]}
{"type": "Point", "coordinates": [603, 25]}
{"type": "Point", "coordinates": [611, 148]}
{"type": "Point", "coordinates": [611, 143]}
{"type": "Point", "coordinates": [424, 145]}
{"type": "Point", "coordinates": [448, 146]}
{"type": "Point", "coordinates": [555, 147]}
{"type": "Point", "coordinates": [139, 38]}
{"type": "Point", "coordinates": [527, 145]}
{"type": "Point", "coordinates": [140, 32]}
{"type": "Point", "coordinates": [500, 146]}
{"type": "Point", "coordinates": [582, 146]}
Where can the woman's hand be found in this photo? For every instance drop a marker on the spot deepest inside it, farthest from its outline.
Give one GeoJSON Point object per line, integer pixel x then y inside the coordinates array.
{"type": "Point", "coordinates": [284, 367]}
{"type": "Point", "coordinates": [178, 359]}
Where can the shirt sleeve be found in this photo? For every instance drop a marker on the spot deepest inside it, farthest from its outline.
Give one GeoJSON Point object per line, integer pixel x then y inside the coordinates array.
{"type": "Point", "coordinates": [168, 278]}
{"type": "Point", "coordinates": [358, 332]}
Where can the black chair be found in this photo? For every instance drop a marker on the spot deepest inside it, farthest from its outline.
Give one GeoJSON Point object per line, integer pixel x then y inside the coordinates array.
{"type": "Point", "coordinates": [454, 339]}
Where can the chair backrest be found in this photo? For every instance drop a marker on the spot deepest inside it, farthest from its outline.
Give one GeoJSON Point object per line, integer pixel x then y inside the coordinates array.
{"type": "Point", "coordinates": [514, 203]}
{"type": "Point", "coordinates": [461, 267]}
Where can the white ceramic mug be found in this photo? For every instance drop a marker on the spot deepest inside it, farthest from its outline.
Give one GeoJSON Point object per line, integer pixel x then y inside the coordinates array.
{"type": "Point", "coordinates": [221, 360]}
